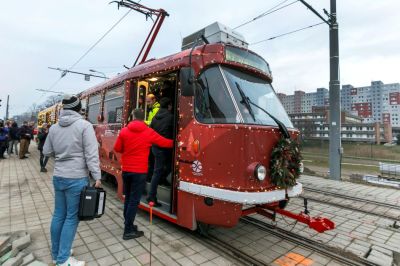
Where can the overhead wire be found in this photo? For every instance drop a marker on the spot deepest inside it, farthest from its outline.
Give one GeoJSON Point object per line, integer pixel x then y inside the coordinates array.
{"type": "Point", "coordinates": [89, 50]}
{"type": "Point", "coordinates": [287, 33]}
{"type": "Point", "coordinates": [268, 12]}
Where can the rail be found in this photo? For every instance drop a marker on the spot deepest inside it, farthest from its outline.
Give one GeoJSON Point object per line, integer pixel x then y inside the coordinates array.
{"type": "Point", "coordinates": [230, 250]}
{"type": "Point", "coordinates": [338, 255]}
{"type": "Point", "coordinates": [344, 196]}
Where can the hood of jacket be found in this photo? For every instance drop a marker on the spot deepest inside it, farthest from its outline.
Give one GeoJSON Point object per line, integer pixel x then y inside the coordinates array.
{"type": "Point", "coordinates": [162, 113]}
{"type": "Point", "coordinates": [137, 126]}
{"type": "Point", "coordinates": [68, 117]}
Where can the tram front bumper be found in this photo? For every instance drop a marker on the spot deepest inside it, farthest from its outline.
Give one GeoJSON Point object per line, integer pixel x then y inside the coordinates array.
{"type": "Point", "coordinates": [247, 198]}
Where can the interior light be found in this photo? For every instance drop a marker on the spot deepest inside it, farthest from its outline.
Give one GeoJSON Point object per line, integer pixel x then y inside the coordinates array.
{"type": "Point", "coordinates": [153, 79]}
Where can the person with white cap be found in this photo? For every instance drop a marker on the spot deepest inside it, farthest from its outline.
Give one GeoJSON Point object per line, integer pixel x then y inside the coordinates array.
{"type": "Point", "coordinates": [73, 144]}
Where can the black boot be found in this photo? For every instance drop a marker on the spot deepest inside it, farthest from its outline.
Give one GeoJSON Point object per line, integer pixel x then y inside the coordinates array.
{"type": "Point", "coordinates": [132, 235]}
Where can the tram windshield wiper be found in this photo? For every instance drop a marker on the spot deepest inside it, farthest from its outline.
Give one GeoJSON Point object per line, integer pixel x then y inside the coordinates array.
{"type": "Point", "coordinates": [246, 100]}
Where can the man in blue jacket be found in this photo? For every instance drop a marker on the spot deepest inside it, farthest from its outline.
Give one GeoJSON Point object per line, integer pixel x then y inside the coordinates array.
{"type": "Point", "coordinates": [3, 139]}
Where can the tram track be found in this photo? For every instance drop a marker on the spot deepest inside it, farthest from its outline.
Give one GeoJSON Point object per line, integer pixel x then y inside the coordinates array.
{"type": "Point", "coordinates": [335, 254]}
{"type": "Point", "coordinates": [349, 206]}
{"type": "Point", "coordinates": [230, 250]}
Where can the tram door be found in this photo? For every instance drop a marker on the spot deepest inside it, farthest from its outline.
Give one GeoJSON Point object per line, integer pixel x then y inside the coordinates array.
{"type": "Point", "coordinates": [159, 87]}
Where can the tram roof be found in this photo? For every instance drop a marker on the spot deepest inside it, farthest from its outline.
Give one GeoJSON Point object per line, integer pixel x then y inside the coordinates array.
{"type": "Point", "coordinates": [213, 52]}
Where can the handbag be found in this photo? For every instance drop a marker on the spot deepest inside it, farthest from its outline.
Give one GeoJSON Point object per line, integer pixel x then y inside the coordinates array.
{"type": "Point", "coordinates": [92, 203]}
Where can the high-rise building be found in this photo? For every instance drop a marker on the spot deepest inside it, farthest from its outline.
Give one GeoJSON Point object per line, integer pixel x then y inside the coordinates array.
{"type": "Point", "coordinates": [376, 103]}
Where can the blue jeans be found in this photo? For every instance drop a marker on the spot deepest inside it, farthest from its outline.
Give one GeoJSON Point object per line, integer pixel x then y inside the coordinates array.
{"type": "Point", "coordinates": [162, 167]}
{"type": "Point", "coordinates": [65, 217]}
{"type": "Point", "coordinates": [134, 184]}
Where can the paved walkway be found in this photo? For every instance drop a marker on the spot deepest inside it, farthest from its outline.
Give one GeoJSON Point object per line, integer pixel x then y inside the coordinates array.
{"type": "Point", "coordinates": [26, 203]}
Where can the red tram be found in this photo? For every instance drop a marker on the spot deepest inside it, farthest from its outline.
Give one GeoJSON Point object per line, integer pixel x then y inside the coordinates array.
{"type": "Point", "coordinates": [223, 147]}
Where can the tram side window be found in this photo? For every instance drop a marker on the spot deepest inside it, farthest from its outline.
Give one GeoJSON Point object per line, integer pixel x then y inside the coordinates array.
{"type": "Point", "coordinates": [113, 105]}
{"type": "Point", "coordinates": [94, 108]}
{"type": "Point", "coordinates": [213, 103]}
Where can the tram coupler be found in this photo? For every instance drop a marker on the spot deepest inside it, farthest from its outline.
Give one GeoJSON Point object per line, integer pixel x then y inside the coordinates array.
{"type": "Point", "coordinates": [259, 210]}
{"type": "Point", "coordinates": [319, 224]}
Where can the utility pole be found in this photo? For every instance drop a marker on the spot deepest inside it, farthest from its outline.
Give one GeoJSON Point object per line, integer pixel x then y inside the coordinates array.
{"type": "Point", "coordinates": [8, 106]}
{"type": "Point", "coordinates": [335, 146]}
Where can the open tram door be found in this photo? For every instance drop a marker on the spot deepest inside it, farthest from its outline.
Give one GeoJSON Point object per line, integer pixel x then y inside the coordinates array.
{"type": "Point", "coordinates": [160, 86]}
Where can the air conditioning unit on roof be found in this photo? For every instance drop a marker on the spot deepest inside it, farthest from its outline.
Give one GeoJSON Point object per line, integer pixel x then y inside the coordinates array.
{"type": "Point", "coordinates": [215, 33]}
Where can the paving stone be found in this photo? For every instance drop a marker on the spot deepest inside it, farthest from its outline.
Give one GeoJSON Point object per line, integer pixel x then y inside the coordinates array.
{"type": "Point", "coordinates": [198, 259]}
{"type": "Point", "coordinates": [15, 261]}
{"type": "Point", "coordinates": [122, 255]}
{"type": "Point", "coordinates": [106, 261]}
{"type": "Point", "coordinates": [185, 262]}
{"type": "Point", "coordinates": [37, 263]}
{"type": "Point", "coordinates": [384, 250]}
{"type": "Point", "coordinates": [380, 258]}
{"type": "Point", "coordinates": [4, 240]}
{"type": "Point", "coordinates": [27, 259]}
{"type": "Point", "coordinates": [5, 250]}
{"type": "Point", "coordinates": [21, 242]}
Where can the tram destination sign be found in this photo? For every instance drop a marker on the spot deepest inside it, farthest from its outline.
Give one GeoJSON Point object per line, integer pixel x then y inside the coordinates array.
{"type": "Point", "coordinates": [237, 55]}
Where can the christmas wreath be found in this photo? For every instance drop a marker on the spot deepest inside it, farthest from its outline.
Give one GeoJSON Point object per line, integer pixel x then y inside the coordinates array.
{"type": "Point", "coordinates": [285, 163]}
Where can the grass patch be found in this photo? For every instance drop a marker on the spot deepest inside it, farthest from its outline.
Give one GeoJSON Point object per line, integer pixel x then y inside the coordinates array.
{"type": "Point", "coordinates": [364, 151]}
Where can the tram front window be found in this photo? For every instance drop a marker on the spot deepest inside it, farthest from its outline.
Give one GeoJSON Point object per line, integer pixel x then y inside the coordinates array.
{"type": "Point", "coordinates": [218, 103]}
{"type": "Point", "coordinates": [213, 101]}
{"type": "Point", "coordinates": [261, 93]}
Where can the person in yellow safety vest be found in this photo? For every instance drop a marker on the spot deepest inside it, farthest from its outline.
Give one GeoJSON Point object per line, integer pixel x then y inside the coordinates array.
{"type": "Point", "coordinates": [153, 106]}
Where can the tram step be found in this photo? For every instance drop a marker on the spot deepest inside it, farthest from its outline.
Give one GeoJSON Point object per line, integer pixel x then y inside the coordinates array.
{"type": "Point", "coordinates": [163, 193]}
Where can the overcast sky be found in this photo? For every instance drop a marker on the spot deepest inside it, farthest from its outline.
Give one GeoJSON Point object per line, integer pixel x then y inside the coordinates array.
{"type": "Point", "coordinates": [43, 33]}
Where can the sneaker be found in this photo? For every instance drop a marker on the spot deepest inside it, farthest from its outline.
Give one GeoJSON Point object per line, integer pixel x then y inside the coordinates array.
{"type": "Point", "coordinates": [132, 235]}
{"type": "Point", "coordinates": [43, 170]}
{"type": "Point", "coordinates": [71, 261]}
{"type": "Point", "coordinates": [71, 254]}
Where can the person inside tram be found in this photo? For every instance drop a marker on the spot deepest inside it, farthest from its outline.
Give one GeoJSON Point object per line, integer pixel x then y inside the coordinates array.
{"type": "Point", "coordinates": [153, 107]}
{"type": "Point", "coordinates": [162, 124]}
{"type": "Point", "coordinates": [141, 100]}
{"type": "Point", "coordinates": [166, 89]}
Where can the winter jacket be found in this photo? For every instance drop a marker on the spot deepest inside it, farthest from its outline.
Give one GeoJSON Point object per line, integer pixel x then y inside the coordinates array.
{"type": "Point", "coordinates": [134, 142]}
{"type": "Point", "coordinates": [162, 123]}
{"type": "Point", "coordinates": [14, 133]}
{"type": "Point", "coordinates": [3, 134]}
{"type": "Point", "coordinates": [42, 135]}
{"type": "Point", "coordinates": [25, 132]}
{"type": "Point", "coordinates": [72, 141]}
{"type": "Point", "coordinates": [152, 113]}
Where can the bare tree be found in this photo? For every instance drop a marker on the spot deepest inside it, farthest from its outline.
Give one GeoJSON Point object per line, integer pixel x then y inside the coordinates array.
{"type": "Point", "coordinates": [52, 100]}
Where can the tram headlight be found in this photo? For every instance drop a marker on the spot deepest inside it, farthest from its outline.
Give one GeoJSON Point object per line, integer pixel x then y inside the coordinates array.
{"type": "Point", "coordinates": [260, 172]}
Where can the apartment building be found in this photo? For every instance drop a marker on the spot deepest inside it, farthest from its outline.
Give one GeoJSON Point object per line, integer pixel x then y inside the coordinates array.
{"type": "Point", "coordinates": [378, 102]}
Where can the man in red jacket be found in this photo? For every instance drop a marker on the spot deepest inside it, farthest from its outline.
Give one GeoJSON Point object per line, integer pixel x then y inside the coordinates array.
{"type": "Point", "coordinates": [134, 142]}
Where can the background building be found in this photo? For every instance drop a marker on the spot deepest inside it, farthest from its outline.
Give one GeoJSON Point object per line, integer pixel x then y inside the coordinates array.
{"type": "Point", "coordinates": [376, 103]}
{"type": "Point", "coordinates": [315, 125]}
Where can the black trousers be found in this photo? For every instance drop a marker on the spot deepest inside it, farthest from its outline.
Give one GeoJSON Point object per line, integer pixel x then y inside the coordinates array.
{"type": "Point", "coordinates": [43, 159]}
{"type": "Point", "coordinates": [3, 148]}
{"type": "Point", "coordinates": [134, 184]}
